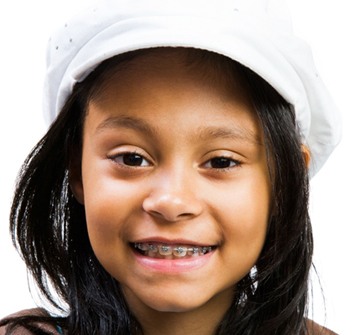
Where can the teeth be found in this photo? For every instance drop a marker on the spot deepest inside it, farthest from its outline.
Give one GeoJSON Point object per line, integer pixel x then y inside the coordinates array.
{"type": "Point", "coordinates": [142, 246]}
{"type": "Point", "coordinates": [165, 250]}
{"type": "Point", "coordinates": [180, 251]}
{"type": "Point", "coordinates": [193, 251]}
{"type": "Point", "coordinates": [153, 250]}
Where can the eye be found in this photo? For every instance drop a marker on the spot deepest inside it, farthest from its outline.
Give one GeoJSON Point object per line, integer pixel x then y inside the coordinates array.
{"type": "Point", "coordinates": [221, 163]}
{"type": "Point", "coordinates": [132, 159]}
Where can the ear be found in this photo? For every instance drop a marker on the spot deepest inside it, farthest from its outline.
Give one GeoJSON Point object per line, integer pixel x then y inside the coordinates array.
{"type": "Point", "coordinates": [306, 155]}
{"type": "Point", "coordinates": [75, 181]}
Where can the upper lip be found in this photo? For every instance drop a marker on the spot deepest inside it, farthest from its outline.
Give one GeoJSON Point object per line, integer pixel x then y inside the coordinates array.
{"type": "Point", "coordinates": [176, 241]}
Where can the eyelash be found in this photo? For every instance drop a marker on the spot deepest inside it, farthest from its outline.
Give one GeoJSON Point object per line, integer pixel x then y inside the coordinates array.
{"type": "Point", "coordinates": [132, 155]}
{"type": "Point", "coordinates": [233, 163]}
{"type": "Point", "coordinates": [223, 159]}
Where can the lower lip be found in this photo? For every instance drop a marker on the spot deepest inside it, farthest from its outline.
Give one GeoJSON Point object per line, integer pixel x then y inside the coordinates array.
{"type": "Point", "coordinates": [173, 265]}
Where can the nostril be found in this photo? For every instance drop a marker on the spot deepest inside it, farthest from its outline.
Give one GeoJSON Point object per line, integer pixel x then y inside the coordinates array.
{"type": "Point", "coordinates": [154, 213]}
{"type": "Point", "coordinates": [185, 215]}
{"type": "Point", "coordinates": [169, 216]}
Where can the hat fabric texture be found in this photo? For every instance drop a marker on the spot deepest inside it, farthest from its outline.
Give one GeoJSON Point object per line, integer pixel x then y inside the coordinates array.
{"type": "Point", "coordinates": [255, 33]}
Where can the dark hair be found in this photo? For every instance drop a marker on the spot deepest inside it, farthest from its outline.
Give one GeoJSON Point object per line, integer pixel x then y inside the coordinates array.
{"type": "Point", "coordinates": [49, 229]}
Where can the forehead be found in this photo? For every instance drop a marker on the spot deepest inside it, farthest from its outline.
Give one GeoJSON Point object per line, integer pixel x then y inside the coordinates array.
{"type": "Point", "coordinates": [200, 90]}
{"type": "Point", "coordinates": [203, 66]}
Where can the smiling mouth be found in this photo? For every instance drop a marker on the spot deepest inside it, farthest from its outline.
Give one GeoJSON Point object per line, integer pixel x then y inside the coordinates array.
{"type": "Point", "coordinates": [166, 251]}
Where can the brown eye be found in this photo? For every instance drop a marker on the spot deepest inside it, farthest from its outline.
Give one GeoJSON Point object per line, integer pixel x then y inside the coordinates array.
{"type": "Point", "coordinates": [130, 159]}
{"type": "Point", "coordinates": [133, 160]}
{"type": "Point", "coordinates": [221, 163]}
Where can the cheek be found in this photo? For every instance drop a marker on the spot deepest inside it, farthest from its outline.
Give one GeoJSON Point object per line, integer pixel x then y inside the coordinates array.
{"type": "Point", "coordinates": [245, 220]}
{"type": "Point", "coordinates": [109, 206]}
{"type": "Point", "coordinates": [110, 210]}
{"type": "Point", "coordinates": [248, 201]}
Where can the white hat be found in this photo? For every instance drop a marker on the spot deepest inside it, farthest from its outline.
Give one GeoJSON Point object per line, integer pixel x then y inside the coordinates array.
{"type": "Point", "coordinates": [256, 33]}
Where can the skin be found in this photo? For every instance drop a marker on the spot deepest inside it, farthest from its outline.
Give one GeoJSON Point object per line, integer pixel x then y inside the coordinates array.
{"type": "Point", "coordinates": [176, 124]}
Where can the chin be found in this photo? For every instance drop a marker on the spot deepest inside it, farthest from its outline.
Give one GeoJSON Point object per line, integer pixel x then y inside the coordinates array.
{"type": "Point", "coordinates": [174, 306]}
{"type": "Point", "coordinates": [178, 298]}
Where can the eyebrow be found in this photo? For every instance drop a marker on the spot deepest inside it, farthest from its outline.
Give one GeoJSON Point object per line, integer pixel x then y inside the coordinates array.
{"type": "Point", "coordinates": [234, 133]}
{"type": "Point", "coordinates": [203, 133]}
{"type": "Point", "coordinates": [125, 122]}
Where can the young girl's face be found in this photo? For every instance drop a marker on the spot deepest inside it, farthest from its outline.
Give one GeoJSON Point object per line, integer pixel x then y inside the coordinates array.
{"type": "Point", "coordinates": [175, 184]}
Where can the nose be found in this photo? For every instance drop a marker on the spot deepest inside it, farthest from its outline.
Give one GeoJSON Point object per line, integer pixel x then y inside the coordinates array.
{"type": "Point", "coordinates": [172, 200]}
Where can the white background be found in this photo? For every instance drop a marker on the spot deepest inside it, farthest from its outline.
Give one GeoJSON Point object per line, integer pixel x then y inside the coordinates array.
{"type": "Point", "coordinates": [331, 27]}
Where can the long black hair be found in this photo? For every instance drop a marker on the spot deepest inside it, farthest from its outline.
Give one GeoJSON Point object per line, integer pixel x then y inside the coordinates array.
{"type": "Point", "coordinates": [48, 225]}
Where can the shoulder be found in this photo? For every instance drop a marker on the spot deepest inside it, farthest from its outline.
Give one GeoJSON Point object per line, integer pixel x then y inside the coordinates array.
{"type": "Point", "coordinates": [23, 315]}
{"type": "Point", "coordinates": [315, 329]}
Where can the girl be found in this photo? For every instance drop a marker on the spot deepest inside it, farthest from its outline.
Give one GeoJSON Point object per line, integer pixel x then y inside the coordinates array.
{"type": "Point", "coordinates": [170, 192]}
